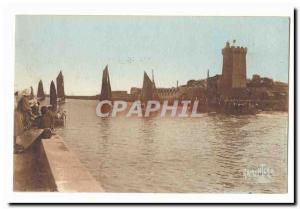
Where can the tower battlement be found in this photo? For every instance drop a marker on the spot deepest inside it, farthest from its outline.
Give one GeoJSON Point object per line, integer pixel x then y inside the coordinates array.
{"type": "Point", "coordinates": [234, 49]}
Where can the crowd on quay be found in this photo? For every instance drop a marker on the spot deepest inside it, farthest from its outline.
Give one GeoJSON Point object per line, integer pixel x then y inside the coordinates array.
{"type": "Point", "coordinates": [28, 114]}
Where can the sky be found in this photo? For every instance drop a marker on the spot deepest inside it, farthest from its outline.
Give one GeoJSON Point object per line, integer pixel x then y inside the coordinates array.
{"type": "Point", "coordinates": [175, 48]}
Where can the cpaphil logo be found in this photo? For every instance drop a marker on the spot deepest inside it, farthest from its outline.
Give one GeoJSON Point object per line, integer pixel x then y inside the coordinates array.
{"type": "Point", "coordinates": [178, 109]}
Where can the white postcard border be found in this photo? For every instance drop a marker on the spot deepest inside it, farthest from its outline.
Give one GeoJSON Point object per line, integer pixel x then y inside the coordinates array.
{"type": "Point", "coordinates": [134, 9]}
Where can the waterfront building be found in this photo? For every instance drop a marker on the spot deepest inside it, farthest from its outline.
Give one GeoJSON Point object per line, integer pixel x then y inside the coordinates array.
{"type": "Point", "coordinates": [121, 95]}
{"type": "Point", "coordinates": [213, 88]}
{"type": "Point", "coordinates": [169, 94]}
{"type": "Point", "coordinates": [135, 93]}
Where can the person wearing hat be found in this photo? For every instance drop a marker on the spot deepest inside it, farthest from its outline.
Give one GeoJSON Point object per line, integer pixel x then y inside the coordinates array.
{"type": "Point", "coordinates": [21, 117]}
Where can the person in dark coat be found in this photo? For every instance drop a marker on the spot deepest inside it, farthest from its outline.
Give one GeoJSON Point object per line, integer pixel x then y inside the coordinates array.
{"type": "Point", "coordinates": [47, 120]}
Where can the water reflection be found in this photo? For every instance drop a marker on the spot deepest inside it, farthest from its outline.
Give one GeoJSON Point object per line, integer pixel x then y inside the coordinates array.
{"type": "Point", "coordinates": [207, 154]}
{"type": "Point", "coordinates": [229, 151]}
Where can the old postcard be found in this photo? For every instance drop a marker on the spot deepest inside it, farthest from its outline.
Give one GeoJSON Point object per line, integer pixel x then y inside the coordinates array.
{"type": "Point", "coordinates": [151, 104]}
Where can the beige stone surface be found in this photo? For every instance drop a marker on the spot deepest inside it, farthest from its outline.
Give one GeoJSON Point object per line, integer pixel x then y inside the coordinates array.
{"type": "Point", "coordinates": [48, 165]}
{"type": "Point", "coordinates": [29, 173]}
{"type": "Point", "coordinates": [68, 173]}
{"type": "Point", "coordinates": [27, 138]}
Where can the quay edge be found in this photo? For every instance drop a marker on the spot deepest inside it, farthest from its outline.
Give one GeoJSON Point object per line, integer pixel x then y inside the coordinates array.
{"type": "Point", "coordinates": [49, 165]}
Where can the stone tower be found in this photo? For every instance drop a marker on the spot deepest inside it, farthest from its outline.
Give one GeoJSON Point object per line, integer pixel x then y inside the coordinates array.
{"type": "Point", "coordinates": [234, 68]}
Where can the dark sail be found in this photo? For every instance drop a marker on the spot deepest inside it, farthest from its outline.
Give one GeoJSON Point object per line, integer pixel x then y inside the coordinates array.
{"type": "Point", "coordinates": [60, 86]}
{"type": "Point", "coordinates": [31, 93]}
{"type": "Point", "coordinates": [105, 89]}
{"type": "Point", "coordinates": [53, 97]}
{"type": "Point", "coordinates": [40, 93]}
{"type": "Point", "coordinates": [148, 90]}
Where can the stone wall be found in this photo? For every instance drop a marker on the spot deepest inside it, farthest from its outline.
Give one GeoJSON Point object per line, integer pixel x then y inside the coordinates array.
{"type": "Point", "coordinates": [49, 165]}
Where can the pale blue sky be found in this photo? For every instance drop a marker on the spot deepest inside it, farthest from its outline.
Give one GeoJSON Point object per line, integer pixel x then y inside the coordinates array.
{"type": "Point", "coordinates": [176, 48]}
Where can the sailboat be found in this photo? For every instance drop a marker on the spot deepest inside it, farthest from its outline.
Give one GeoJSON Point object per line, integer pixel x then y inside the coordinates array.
{"type": "Point", "coordinates": [60, 116]}
{"type": "Point", "coordinates": [40, 94]}
{"type": "Point", "coordinates": [148, 91]}
{"type": "Point", "coordinates": [105, 91]}
{"type": "Point", "coordinates": [60, 88]}
{"type": "Point", "coordinates": [31, 93]}
{"type": "Point", "coordinates": [53, 96]}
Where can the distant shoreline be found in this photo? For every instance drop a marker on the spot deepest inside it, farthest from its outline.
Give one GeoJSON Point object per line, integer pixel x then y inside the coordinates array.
{"type": "Point", "coordinates": [80, 97]}
{"type": "Point", "coordinates": [83, 97]}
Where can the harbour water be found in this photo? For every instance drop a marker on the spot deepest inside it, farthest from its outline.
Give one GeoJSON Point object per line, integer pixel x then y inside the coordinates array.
{"type": "Point", "coordinates": [210, 154]}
